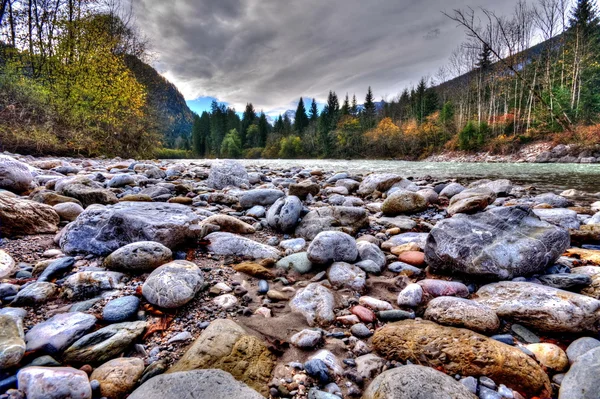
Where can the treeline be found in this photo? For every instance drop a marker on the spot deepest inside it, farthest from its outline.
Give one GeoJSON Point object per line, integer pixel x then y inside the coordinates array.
{"type": "Point", "coordinates": [505, 93]}
{"type": "Point", "coordinates": [72, 81]}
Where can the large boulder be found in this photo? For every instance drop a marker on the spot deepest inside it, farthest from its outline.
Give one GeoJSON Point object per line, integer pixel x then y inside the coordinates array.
{"type": "Point", "coordinates": [118, 377]}
{"type": "Point", "coordinates": [347, 219]}
{"type": "Point", "coordinates": [541, 307]}
{"type": "Point", "coordinates": [173, 285]}
{"type": "Point", "coordinates": [100, 230]}
{"type": "Point", "coordinates": [15, 176]}
{"type": "Point", "coordinates": [404, 202]}
{"type": "Point", "coordinates": [471, 200]}
{"type": "Point", "coordinates": [260, 196]}
{"type": "Point", "coordinates": [227, 244]}
{"type": "Point", "coordinates": [315, 303]}
{"type": "Point", "coordinates": [332, 246]}
{"type": "Point", "coordinates": [88, 192]}
{"type": "Point", "coordinates": [461, 351]}
{"type": "Point", "coordinates": [416, 382]}
{"type": "Point", "coordinates": [227, 173]}
{"type": "Point", "coordinates": [138, 257]}
{"type": "Point", "coordinates": [19, 216]}
{"type": "Point", "coordinates": [54, 383]}
{"type": "Point", "coordinates": [58, 332]}
{"type": "Point", "coordinates": [225, 345]}
{"type": "Point", "coordinates": [378, 182]}
{"type": "Point", "coordinates": [581, 381]}
{"type": "Point", "coordinates": [564, 218]}
{"type": "Point", "coordinates": [501, 243]}
{"type": "Point", "coordinates": [195, 384]}
{"type": "Point", "coordinates": [284, 214]}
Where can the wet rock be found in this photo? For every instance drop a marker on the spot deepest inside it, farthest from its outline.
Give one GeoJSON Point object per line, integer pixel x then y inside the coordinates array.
{"type": "Point", "coordinates": [316, 303]}
{"type": "Point", "coordinates": [7, 265]}
{"type": "Point", "coordinates": [91, 283]}
{"type": "Point", "coordinates": [581, 346]}
{"type": "Point", "coordinates": [564, 218]}
{"type": "Point", "coordinates": [471, 200]}
{"type": "Point", "coordinates": [332, 246]}
{"type": "Point", "coordinates": [345, 275]}
{"type": "Point", "coordinates": [501, 243]}
{"type": "Point", "coordinates": [173, 285]}
{"type": "Point", "coordinates": [58, 332]}
{"type": "Point", "coordinates": [408, 382]}
{"type": "Point", "coordinates": [459, 312]}
{"type": "Point", "coordinates": [54, 383]}
{"type": "Point", "coordinates": [402, 202]}
{"type": "Point", "coordinates": [119, 376]}
{"type": "Point", "coordinates": [35, 293]}
{"type": "Point", "coordinates": [68, 211]}
{"type": "Point", "coordinates": [86, 191]}
{"type": "Point", "coordinates": [566, 281]}
{"type": "Point", "coordinates": [260, 196]}
{"type": "Point", "coordinates": [227, 173]}
{"type": "Point", "coordinates": [461, 351]}
{"type": "Point", "coordinates": [284, 214]}
{"type": "Point", "coordinates": [378, 182]}
{"type": "Point", "coordinates": [549, 356]}
{"type": "Point", "coordinates": [581, 381]}
{"type": "Point", "coordinates": [336, 218]}
{"type": "Point", "coordinates": [138, 257]}
{"type": "Point", "coordinates": [101, 230]}
{"type": "Point", "coordinates": [543, 308]}
{"type": "Point", "coordinates": [121, 309]}
{"type": "Point", "coordinates": [15, 176]}
{"type": "Point", "coordinates": [214, 384]}
{"type": "Point", "coordinates": [299, 262]}
{"type": "Point", "coordinates": [12, 346]}
{"type": "Point", "coordinates": [225, 345]}
{"type": "Point", "coordinates": [105, 343]}
{"type": "Point", "coordinates": [228, 244]}
{"type": "Point", "coordinates": [19, 217]}
{"type": "Point", "coordinates": [57, 268]}
{"type": "Point", "coordinates": [307, 339]}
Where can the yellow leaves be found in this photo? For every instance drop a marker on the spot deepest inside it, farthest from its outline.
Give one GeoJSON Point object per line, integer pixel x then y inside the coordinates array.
{"type": "Point", "coordinates": [386, 129]}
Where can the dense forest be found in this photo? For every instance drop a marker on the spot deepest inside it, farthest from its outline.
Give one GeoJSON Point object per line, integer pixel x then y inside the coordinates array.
{"type": "Point", "coordinates": [75, 79]}
{"type": "Point", "coordinates": [506, 91]}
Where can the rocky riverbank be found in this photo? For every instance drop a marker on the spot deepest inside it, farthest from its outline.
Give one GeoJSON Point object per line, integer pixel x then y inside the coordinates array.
{"type": "Point", "coordinates": [159, 280]}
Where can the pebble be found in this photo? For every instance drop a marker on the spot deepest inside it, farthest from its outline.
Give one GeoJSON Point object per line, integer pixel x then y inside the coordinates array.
{"type": "Point", "coordinates": [524, 334]}
{"type": "Point", "coordinates": [360, 330]}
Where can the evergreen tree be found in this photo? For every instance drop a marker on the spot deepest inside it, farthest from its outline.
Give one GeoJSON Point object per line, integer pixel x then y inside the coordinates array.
{"type": "Point", "coordinates": [369, 112]}
{"type": "Point", "coordinates": [584, 19]}
{"type": "Point", "coordinates": [354, 107]}
{"type": "Point", "coordinates": [218, 126]}
{"type": "Point", "coordinates": [313, 114]}
{"type": "Point", "coordinates": [420, 100]}
{"type": "Point", "coordinates": [485, 58]}
{"type": "Point", "coordinates": [248, 118]}
{"type": "Point", "coordinates": [201, 133]}
{"type": "Point", "coordinates": [278, 128]}
{"type": "Point", "coordinates": [287, 124]}
{"type": "Point", "coordinates": [301, 121]}
{"type": "Point", "coordinates": [346, 106]}
{"type": "Point", "coordinates": [263, 130]}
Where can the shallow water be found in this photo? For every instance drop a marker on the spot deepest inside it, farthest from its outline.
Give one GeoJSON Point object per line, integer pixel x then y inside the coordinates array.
{"type": "Point", "coordinates": [544, 177]}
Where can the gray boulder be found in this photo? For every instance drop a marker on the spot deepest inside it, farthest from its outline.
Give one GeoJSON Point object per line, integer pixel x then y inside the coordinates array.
{"type": "Point", "coordinates": [370, 251]}
{"type": "Point", "coordinates": [336, 218]}
{"type": "Point", "coordinates": [228, 244]}
{"type": "Point", "coordinates": [471, 200]}
{"type": "Point", "coordinates": [227, 173]}
{"type": "Point", "coordinates": [564, 218]}
{"type": "Point", "coordinates": [138, 257]}
{"type": "Point", "coordinates": [451, 190]}
{"type": "Point", "coordinates": [581, 346]}
{"type": "Point", "coordinates": [15, 176]}
{"type": "Point", "coordinates": [260, 196]}
{"type": "Point", "coordinates": [54, 383]}
{"type": "Point", "coordinates": [121, 180]}
{"type": "Point", "coordinates": [416, 382]}
{"type": "Point", "coordinates": [284, 214]}
{"type": "Point", "coordinates": [121, 309]}
{"type": "Point", "coordinates": [34, 293]}
{"type": "Point", "coordinates": [540, 307]}
{"type": "Point", "coordinates": [404, 202]}
{"type": "Point", "coordinates": [173, 285]}
{"type": "Point", "coordinates": [581, 381]}
{"type": "Point", "coordinates": [556, 201]}
{"type": "Point", "coordinates": [195, 384]}
{"type": "Point", "coordinates": [68, 210]}
{"type": "Point", "coordinates": [378, 182]}
{"type": "Point", "coordinates": [88, 192]}
{"type": "Point", "coordinates": [91, 283]}
{"type": "Point", "coordinates": [332, 246]}
{"type": "Point", "coordinates": [101, 230]}
{"type": "Point", "coordinates": [58, 332]}
{"type": "Point", "coordinates": [501, 243]}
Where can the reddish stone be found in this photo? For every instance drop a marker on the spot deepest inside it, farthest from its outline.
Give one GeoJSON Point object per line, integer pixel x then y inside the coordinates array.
{"type": "Point", "coordinates": [414, 258]}
{"type": "Point", "coordinates": [437, 288]}
{"type": "Point", "coordinates": [365, 315]}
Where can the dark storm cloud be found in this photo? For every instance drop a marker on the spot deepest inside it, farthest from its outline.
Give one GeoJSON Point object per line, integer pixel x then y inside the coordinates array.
{"type": "Point", "coordinates": [270, 52]}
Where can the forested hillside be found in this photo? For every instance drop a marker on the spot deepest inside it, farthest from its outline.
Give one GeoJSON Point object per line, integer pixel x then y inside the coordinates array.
{"type": "Point", "coordinates": [499, 90]}
{"type": "Point", "coordinates": [72, 81]}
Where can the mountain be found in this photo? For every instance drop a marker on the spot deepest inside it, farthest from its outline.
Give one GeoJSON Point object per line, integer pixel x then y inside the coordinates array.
{"type": "Point", "coordinates": [166, 104]}
{"type": "Point", "coordinates": [290, 114]}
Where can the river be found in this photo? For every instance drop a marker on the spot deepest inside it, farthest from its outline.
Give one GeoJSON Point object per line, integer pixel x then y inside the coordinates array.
{"type": "Point", "coordinates": [545, 177]}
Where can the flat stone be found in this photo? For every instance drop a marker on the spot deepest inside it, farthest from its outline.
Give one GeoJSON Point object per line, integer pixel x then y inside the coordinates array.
{"type": "Point", "coordinates": [54, 383]}
{"type": "Point", "coordinates": [260, 196]}
{"type": "Point", "coordinates": [404, 202]}
{"type": "Point", "coordinates": [35, 293]}
{"type": "Point", "coordinates": [460, 312]}
{"type": "Point", "coordinates": [564, 218]}
{"type": "Point", "coordinates": [57, 333]}
{"type": "Point", "coordinates": [121, 309]}
{"type": "Point", "coordinates": [227, 244]}
{"type": "Point", "coordinates": [119, 376]}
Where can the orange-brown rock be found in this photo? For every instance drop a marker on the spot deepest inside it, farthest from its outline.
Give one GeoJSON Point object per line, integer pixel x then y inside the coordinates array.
{"type": "Point", "coordinates": [254, 269]}
{"type": "Point", "coordinates": [364, 314]}
{"type": "Point", "coordinates": [411, 246]}
{"type": "Point", "coordinates": [414, 258]}
{"type": "Point", "coordinates": [461, 351]}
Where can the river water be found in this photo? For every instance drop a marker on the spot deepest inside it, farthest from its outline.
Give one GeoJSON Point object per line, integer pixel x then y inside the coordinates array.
{"type": "Point", "coordinates": [544, 177]}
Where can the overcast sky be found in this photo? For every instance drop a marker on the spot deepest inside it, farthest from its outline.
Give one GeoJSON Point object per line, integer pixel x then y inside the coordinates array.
{"type": "Point", "coordinates": [271, 52]}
